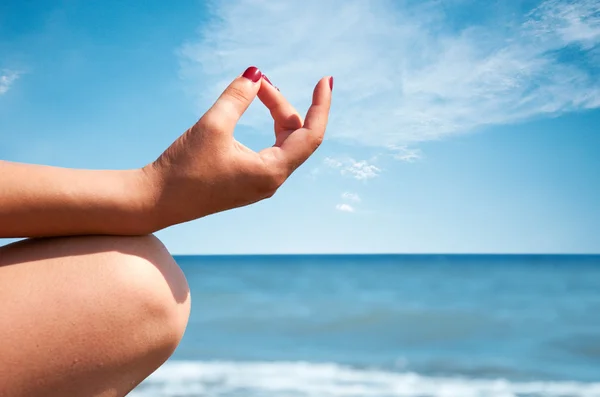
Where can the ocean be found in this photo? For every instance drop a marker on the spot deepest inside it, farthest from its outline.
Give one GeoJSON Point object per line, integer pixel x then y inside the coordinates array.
{"type": "Point", "coordinates": [387, 325]}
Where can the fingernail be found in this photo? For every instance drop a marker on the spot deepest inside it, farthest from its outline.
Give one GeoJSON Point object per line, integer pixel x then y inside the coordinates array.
{"type": "Point", "coordinates": [331, 83]}
{"type": "Point", "coordinates": [252, 74]}
{"type": "Point", "coordinates": [264, 76]}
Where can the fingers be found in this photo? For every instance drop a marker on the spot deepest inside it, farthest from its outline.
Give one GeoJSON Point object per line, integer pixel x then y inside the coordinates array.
{"type": "Point", "coordinates": [300, 144]}
{"type": "Point", "coordinates": [233, 102]}
{"type": "Point", "coordinates": [284, 115]}
{"type": "Point", "coordinates": [318, 114]}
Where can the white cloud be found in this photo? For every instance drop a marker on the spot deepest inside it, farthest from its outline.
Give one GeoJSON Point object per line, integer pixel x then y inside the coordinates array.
{"type": "Point", "coordinates": [7, 78]}
{"type": "Point", "coordinates": [361, 170]}
{"type": "Point", "coordinates": [333, 163]}
{"type": "Point", "coordinates": [344, 208]}
{"type": "Point", "coordinates": [353, 197]}
{"type": "Point", "coordinates": [403, 72]}
{"type": "Point", "coordinates": [561, 23]}
{"type": "Point", "coordinates": [406, 154]}
{"type": "Point", "coordinates": [348, 197]}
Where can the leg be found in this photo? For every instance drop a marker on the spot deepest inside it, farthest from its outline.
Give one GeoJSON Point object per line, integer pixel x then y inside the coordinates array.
{"type": "Point", "coordinates": [87, 316]}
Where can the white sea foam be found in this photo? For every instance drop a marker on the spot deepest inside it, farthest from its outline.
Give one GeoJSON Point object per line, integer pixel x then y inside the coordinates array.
{"type": "Point", "coordinates": [298, 379]}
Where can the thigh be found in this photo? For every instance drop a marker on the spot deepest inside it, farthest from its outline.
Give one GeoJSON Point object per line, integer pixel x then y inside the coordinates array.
{"type": "Point", "coordinates": [87, 316]}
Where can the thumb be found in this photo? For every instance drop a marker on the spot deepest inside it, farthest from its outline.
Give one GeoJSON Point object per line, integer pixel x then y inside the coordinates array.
{"type": "Point", "coordinates": [234, 101]}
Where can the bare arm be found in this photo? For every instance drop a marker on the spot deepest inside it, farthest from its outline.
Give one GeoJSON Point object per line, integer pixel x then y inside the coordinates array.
{"type": "Point", "coordinates": [50, 201]}
{"type": "Point", "coordinates": [204, 171]}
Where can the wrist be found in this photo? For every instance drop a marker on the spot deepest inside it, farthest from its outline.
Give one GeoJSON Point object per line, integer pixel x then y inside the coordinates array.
{"type": "Point", "coordinates": [156, 199]}
{"type": "Point", "coordinates": [139, 197]}
{"type": "Point", "coordinates": [169, 197]}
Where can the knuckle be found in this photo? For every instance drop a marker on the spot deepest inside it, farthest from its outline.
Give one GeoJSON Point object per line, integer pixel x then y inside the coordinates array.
{"type": "Point", "coordinates": [292, 122]}
{"type": "Point", "coordinates": [271, 181]}
{"type": "Point", "coordinates": [210, 123]}
{"type": "Point", "coordinates": [317, 139]}
{"type": "Point", "coordinates": [270, 194]}
{"type": "Point", "coordinates": [237, 94]}
{"type": "Point", "coordinates": [277, 180]}
{"type": "Point", "coordinates": [312, 140]}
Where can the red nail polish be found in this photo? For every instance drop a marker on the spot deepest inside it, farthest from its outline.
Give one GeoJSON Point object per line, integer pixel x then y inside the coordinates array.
{"type": "Point", "coordinates": [253, 74]}
{"type": "Point", "coordinates": [264, 76]}
{"type": "Point", "coordinates": [331, 83]}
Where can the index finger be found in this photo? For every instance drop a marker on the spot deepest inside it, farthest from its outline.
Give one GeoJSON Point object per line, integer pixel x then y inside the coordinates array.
{"type": "Point", "coordinates": [299, 145]}
{"type": "Point", "coordinates": [285, 116]}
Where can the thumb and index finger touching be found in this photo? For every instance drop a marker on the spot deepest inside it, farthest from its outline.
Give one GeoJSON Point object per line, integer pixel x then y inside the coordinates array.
{"type": "Point", "coordinates": [296, 139]}
{"type": "Point", "coordinates": [297, 147]}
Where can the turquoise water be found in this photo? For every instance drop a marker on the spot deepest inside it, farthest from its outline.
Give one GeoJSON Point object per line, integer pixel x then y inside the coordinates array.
{"type": "Point", "coordinates": [385, 325]}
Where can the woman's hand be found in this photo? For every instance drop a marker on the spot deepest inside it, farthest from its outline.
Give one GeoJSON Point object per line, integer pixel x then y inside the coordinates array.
{"type": "Point", "coordinates": [206, 170]}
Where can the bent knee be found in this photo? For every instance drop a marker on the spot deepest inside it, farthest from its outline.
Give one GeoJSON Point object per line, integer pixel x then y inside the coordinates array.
{"type": "Point", "coordinates": [154, 289]}
{"type": "Point", "coordinates": [127, 281]}
{"type": "Point", "coordinates": [115, 308]}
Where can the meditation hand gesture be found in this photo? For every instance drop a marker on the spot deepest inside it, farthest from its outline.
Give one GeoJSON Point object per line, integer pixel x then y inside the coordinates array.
{"type": "Point", "coordinates": [99, 304]}
{"type": "Point", "coordinates": [206, 170]}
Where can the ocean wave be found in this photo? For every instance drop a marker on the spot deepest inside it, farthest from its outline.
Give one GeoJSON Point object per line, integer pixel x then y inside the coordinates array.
{"type": "Point", "coordinates": [303, 379]}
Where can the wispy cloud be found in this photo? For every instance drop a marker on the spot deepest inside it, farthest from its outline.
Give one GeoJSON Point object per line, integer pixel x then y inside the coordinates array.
{"type": "Point", "coordinates": [344, 208]}
{"type": "Point", "coordinates": [353, 197]}
{"type": "Point", "coordinates": [7, 78]}
{"type": "Point", "coordinates": [333, 163]}
{"type": "Point", "coordinates": [360, 170]}
{"type": "Point", "coordinates": [404, 153]}
{"type": "Point", "coordinates": [562, 23]}
{"type": "Point", "coordinates": [404, 72]}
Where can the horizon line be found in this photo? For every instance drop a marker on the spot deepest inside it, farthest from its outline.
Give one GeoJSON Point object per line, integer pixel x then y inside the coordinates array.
{"type": "Point", "coordinates": [402, 254]}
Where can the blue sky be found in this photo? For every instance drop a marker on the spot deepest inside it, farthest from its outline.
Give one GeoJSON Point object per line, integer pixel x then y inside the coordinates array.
{"type": "Point", "coordinates": [457, 125]}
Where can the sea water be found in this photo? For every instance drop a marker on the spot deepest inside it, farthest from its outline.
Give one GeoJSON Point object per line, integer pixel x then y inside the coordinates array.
{"type": "Point", "coordinates": [387, 325]}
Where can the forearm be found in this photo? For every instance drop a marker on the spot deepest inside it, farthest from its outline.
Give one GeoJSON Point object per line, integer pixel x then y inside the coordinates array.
{"type": "Point", "coordinates": [39, 201]}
